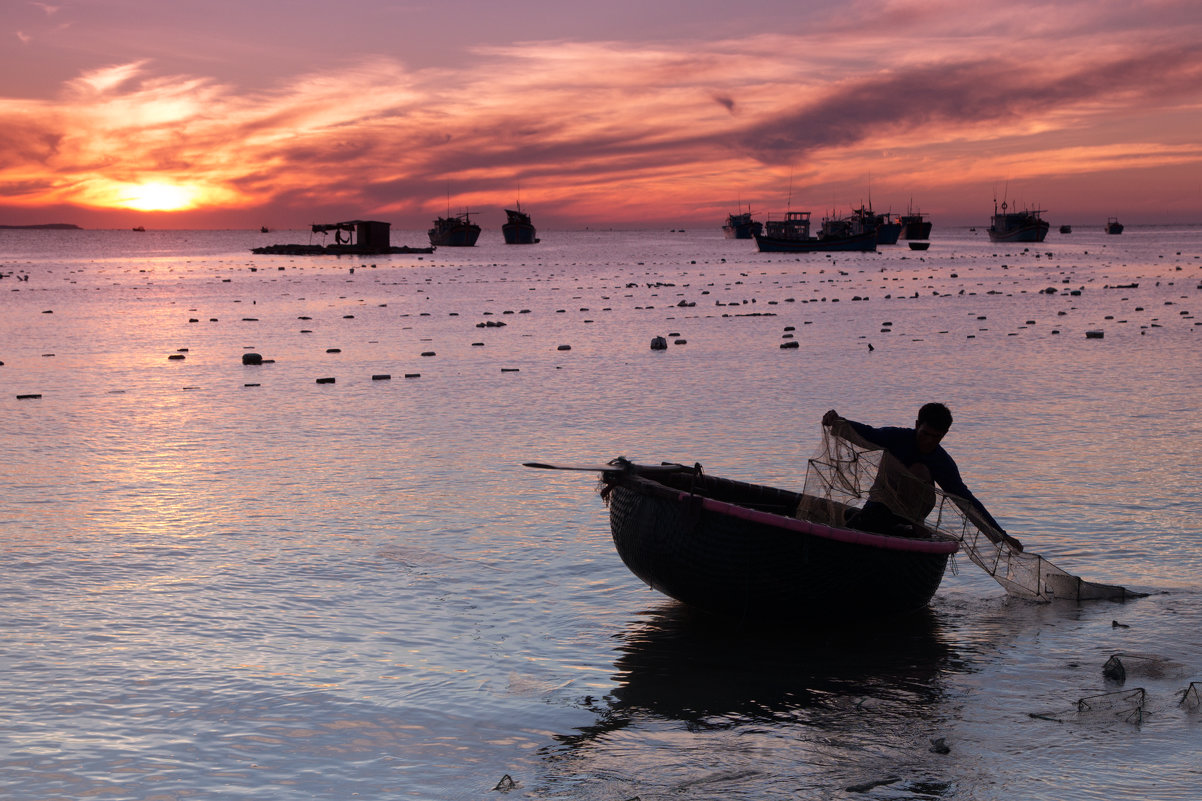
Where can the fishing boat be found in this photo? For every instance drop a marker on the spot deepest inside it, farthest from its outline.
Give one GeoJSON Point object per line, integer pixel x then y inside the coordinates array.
{"type": "Point", "coordinates": [914, 225]}
{"type": "Point", "coordinates": [737, 549]}
{"type": "Point", "coordinates": [864, 538]}
{"type": "Point", "coordinates": [888, 230]}
{"type": "Point", "coordinates": [454, 231]}
{"type": "Point", "coordinates": [741, 226]}
{"type": "Point", "coordinates": [1017, 226]}
{"type": "Point", "coordinates": [518, 229]}
{"type": "Point", "coordinates": [1113, 226]}
{"type": "Point", "coordinates": [792, 235]}
{"type": "Point", "coordinates": [1066, 229]}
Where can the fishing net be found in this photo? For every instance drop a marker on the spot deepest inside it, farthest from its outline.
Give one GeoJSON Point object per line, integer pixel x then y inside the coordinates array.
{"type": "Point", "coordinates": [1191, 697]}
{"type": "Point", "coordinates": [852, 483]}
{"type": "Point", "coordinates": [1129, 706]}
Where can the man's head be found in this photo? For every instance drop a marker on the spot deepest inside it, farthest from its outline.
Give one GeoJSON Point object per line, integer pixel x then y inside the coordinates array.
{"type": "Point", "coordinates": [934, 419]}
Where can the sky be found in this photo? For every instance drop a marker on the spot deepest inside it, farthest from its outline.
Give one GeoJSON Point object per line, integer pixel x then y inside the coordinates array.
{"type": "Point", "coordinates": [628, 113]}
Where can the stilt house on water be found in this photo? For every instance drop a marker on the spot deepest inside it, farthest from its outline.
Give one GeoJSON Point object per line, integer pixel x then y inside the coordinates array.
{"type": "Point", "coordinates": [353, 237]}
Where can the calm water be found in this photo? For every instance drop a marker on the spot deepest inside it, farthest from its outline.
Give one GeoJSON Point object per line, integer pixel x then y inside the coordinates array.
{"type": "Point", "coordinates": [226, 582]}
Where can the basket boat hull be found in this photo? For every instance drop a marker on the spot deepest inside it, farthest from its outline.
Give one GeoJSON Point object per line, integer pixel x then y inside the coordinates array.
{"type": "Point", "coordinates": [733, 549]}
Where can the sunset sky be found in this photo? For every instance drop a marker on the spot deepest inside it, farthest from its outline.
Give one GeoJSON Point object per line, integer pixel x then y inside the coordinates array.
{"type": "Point", "coordinates": [647, 113]}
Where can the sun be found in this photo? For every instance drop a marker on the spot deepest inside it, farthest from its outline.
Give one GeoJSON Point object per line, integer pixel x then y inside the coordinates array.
{"type": "Point", "coordinates": [157, 196]}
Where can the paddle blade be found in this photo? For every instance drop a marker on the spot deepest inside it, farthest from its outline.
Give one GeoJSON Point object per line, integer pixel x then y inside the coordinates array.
{"type": "Point", "coordinates": [605, 468]}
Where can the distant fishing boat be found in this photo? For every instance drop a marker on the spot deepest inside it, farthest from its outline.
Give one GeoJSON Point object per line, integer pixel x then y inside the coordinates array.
{"type": "Point", "coordinates": [1017, 226]}
{"type": "Point", "coordinates": [454, 231]}
{"type": "Point", "coordinates": [1066, 229]}
{"type": "Point", "coordinates": [139, 228]}
{"type": "Point", "coordinates": [741, 226]}
{"type": "Point", "coordinates": [888, 230]}
{"type": "Point", "coordinates": [1113, 226]}
{"type": "Point", "coordinates": [792, 235]}
{"type": "Point", "coordinates": [263, 229]}
{"type": "Point", "coordinates": [518, 229]}
{"type": "Point", "coordinates": [914, 225]}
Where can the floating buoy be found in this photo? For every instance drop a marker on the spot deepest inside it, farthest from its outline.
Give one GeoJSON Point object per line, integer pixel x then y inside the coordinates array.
{"type": "Point", "coordinates": [381, 377]}
{"type": "Point", "coordinates": [333, 350]}
{"type": "Point", "coordinates": [252, 358]}
{"type": "Point", "coordinates": [564, 347]}
{"type": "Point", "coordinates": [325, 380]}
{"type": "Point", "coordinates": [175, 357]}
{"type": "Point", "coordinates": [659, 343]}
{"type": "Point", "coordinates": [790, 345]}
{"type": "Point", "coordinates": [33, 396]}
{"type": "Point", "coordinates": [413, 375]}
{"type": "Point", "coordinates": [1096, 333]}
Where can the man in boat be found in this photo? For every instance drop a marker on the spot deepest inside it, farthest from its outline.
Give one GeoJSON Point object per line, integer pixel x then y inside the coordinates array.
{"type": "Point", "coordinates": [904, 482]}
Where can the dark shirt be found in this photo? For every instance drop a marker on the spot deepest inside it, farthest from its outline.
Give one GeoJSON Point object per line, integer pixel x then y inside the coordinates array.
{"type": "Point", "coordinates": [903, 444]}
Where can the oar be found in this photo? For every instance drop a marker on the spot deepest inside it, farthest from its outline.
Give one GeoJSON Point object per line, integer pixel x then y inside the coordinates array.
{"type": "Point", "coordinates": [608, 468]}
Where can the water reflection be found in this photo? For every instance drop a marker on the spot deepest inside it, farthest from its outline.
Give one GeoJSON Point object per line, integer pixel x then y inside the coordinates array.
{"type": "Point", "coordinates": [767, 706]}
{"type": "Point", "coordinates": [679, 665]}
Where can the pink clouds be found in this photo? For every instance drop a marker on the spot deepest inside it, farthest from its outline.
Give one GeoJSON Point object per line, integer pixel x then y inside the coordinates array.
{"type": "Point", "coordinates": [605, 132]}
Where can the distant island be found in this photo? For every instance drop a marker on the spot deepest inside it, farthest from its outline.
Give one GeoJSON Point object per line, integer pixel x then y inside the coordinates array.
{"type": "Point", "coordinates": [55, 226]}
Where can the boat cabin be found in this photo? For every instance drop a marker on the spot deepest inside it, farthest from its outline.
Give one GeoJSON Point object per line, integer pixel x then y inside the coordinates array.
{"type": "Point", "coordinates": [367, 234]}
{"type": "Point", "coordinates": [796, 225]}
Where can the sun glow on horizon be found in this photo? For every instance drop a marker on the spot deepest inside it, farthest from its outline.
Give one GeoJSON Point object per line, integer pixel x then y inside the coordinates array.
{"type": "Point", "coordinates": [156, 196]}
{"type": "Point", "coordinates": [654, 131]}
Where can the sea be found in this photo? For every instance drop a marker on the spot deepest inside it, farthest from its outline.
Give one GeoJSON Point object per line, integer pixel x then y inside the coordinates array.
{"type": "Point", "coordinates": [330, 576]}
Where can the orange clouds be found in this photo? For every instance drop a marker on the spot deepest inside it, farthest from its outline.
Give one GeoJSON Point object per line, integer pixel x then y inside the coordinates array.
{"type": "Point", "coordinates": [606, 132]}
